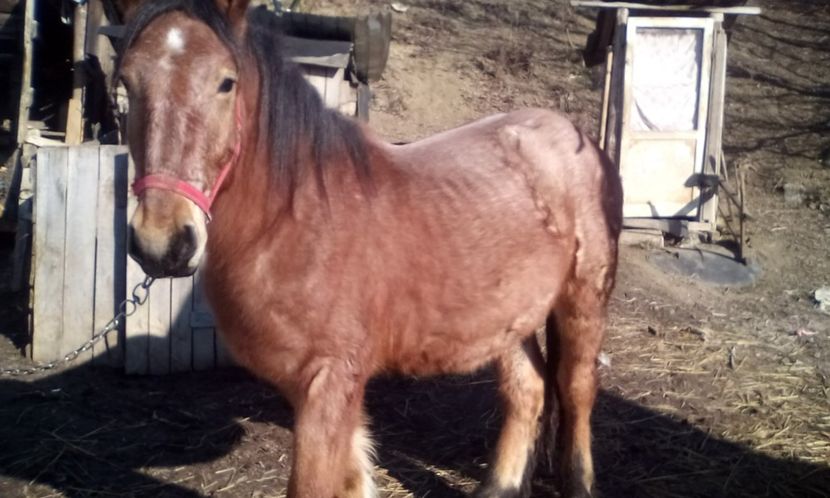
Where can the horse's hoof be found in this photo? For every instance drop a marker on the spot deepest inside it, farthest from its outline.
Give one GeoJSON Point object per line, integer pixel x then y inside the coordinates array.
{"type": "Point", "coordinates": [576, 490]}
{"type": "Point", "coordinates": [495, 491]}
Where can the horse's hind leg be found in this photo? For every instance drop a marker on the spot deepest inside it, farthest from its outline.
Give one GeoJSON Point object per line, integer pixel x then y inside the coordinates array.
{"type": "Point", "coordinates": [523, 393]}
{"type": "Point", "coordinates": [574, 341]}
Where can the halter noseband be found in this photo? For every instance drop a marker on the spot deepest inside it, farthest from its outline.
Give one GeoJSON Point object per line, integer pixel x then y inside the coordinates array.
{"type": "Point", "coordinates": [167, 181]}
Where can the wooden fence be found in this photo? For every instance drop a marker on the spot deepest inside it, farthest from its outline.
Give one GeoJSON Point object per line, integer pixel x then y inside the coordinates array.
{"type": "Point", "coordinates": [80, 266]}
{"type": "Point", "coordinates": [79, 248]}
{"type": "Point", "coordinates": [82, 272]}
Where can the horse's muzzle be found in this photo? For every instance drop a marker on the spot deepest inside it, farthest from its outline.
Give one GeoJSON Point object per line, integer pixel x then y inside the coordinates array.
{"type": "Point", "coordinates": [175, 261]}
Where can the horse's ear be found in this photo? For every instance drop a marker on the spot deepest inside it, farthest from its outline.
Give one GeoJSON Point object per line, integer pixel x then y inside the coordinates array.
{"type": "Point", "coordinates": [235, 10]}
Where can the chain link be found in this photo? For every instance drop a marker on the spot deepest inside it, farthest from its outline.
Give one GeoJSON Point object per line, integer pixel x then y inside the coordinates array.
{"type": "Point", "coordinates": [127, 307]}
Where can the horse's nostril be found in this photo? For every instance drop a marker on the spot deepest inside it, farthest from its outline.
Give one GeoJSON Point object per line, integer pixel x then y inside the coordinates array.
{"type": "Point", "coordinates": [133, 247]}
{"type": "Point", "coordinates": [182, 248]}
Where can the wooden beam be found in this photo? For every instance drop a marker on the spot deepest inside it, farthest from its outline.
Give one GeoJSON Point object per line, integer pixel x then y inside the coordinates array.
{"type": "Point", "coordinates": [26, 83]}
{"type": "Point", "coordinates": [615, 93]}
{"type": "Point", "coordinates": [751, 11]}
{"type": "Point", "coordinates": [79, 252]}
{"type": "Point", "coordinates": [676, 227]}
{"type": "Point", "coordinates": [181, 337]}
{"type": "Point", "coordinates": [49, 251]}
{"type": "Point", "coordinates": [110, 251]}
{"type": "Point", "coordinates": [75, 113]}
{"type": "Point", "coordinates": [137, 328]}
{"type": "Point", "coordinates": [714, 132]}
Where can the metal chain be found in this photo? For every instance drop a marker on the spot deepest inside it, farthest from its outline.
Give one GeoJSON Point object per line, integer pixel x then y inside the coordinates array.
{"type": "Point", "coordinates": [127, 307]}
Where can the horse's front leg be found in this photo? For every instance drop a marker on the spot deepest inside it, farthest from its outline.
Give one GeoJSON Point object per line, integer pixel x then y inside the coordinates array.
{"type": "Point", "coordinates": [331, 450]}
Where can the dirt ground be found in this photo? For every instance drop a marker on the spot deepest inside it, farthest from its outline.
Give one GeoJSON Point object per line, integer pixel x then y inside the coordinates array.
{"type": "Point", "coordinates": [707, 391]}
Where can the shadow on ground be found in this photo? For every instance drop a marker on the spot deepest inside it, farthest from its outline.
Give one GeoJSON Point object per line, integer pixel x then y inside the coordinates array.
{"type": "Point", "coordinates": [94, 432]}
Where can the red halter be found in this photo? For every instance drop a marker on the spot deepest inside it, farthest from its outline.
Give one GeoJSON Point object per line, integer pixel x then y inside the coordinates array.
{"type": "Point", "coordinates": [166, 181]}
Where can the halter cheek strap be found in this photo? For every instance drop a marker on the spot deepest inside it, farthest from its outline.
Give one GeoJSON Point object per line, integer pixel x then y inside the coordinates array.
{"type": "Point", "coordinates": [167, 181]}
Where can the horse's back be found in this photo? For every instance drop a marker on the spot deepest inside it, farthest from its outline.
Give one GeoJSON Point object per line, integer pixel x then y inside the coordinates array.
{"type": "Point", "coordinates": [560, 167]}
{"type": "Point", "coordinates": [479, 233]}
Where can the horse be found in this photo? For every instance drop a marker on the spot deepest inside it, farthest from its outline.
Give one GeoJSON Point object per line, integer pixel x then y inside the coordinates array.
{"type": "Point", "coordinates": [331, 256]}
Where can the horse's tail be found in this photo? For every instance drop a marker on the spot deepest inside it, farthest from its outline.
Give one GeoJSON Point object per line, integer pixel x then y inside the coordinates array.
{"type": "Point", "coordinates": [551, 413]}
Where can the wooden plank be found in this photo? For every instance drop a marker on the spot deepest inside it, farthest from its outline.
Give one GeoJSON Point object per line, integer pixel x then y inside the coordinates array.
{"type": "Point", "coordinates": [160, 325]}
{"type": "Point", "coordinates": [203, 337]}
{"type": "Point", "coordinates": [704, 91]}
{"type": "Point", "coordinates": [714, 131]}
{"type": "Point", "coordinates": [26, 80]}
{"type": "Point", "coordinates": [332, 92]}
{"type": "Point", "coordinates": [110, 265]}
{"type": "Point", "coordinates": [49, 229]}
{"type": "Point", "coordinates": [96, 18]}
{"type": "Point", "coordinates": [348, 98]}
{"type": "Point", "coordinates": [606, 93]}
{"type": "Point", "coordinates": [79, 259]}
{"type": "Point", "coordinates": [676, 227]}
{"type": "Point", "coordinates": [615, 97]}
{"type": "Point", "coordinates": [753, 11]}
{"type": "Point", "coordinates": [136, 334]}
{"type": "Point", "coordinates": [181, 336]}
{"type": "Point", "coordinates": [316, 52]}
{"type": "Point", "coordinates": [317, 77]}
{"type": "Point", "coordinates": [75, 112]}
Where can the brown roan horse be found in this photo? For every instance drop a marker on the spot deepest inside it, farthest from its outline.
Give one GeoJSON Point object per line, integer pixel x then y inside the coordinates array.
{"type": "Point", "coordinates": [331, 256]}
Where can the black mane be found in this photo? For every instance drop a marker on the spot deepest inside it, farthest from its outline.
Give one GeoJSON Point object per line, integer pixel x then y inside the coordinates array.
{"type": "Point", "coordinates": [295, 125]}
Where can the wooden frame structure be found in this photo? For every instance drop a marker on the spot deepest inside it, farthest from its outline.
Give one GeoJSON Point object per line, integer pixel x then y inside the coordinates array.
{"type": "Point", "coordinates": [648, 169]}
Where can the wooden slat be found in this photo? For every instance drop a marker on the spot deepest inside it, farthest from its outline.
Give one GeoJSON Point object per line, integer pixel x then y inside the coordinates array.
{"type": "Point", "coordinates": [50, 210]}
{"type": "Point", "coordinates": [75, 113]}
{"type": "Point", "coordinates": [110, 259]}
{"type": "Point", "coordinates": [714, 131]}
{"type": "Point", "coordinates": [317, 77]}
{"type": "Point", "coordinates": [181, 343]}
{"type": "Point", "coordinates": [138, 324]}
{"type": "Point", "coordinates": [606, 93]}
{"type": "Point", "coordinates": [26, 83]}
{"type": "Point", "coordinates": [105, 305]}
{"type": "Point", "coordinates": [332, 82]}
{"type": "Point", "coordinates": [615, 109]}
{"type": "Point", "coordinates": [203, 337]}
{"type": "Point", "coordinates": [160, 325]}
{"type": "Point", "coordinates": [79, 260]}
{"type": "Point", "coordinates": [672, 8]}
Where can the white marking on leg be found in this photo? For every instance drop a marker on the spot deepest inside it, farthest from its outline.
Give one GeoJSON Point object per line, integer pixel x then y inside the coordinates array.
{"type": "Point", "coordinates": [175, 40]}
{"type": "Point", "coordinates": [364, 454]}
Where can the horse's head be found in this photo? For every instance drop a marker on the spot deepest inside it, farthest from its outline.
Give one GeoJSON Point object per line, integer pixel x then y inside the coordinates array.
{"type": "Point", "coordinates": [180, 69]}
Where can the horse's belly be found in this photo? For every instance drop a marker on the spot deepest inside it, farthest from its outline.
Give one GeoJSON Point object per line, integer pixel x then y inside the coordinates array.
{"type": "Point", "coordinates": [467, 339]}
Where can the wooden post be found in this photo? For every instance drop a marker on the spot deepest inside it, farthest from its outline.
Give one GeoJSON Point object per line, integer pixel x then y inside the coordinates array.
{"type": "Point", "coordinates": [615, 95]}
{"type": "Point", "coordinates": [714, 132]}
{"type": "Point", "coordinates": [606, 92]}
{"type": "Point", "coordinates": [74, 115]}
{"type": "Point", "coordinates": [26, 80]}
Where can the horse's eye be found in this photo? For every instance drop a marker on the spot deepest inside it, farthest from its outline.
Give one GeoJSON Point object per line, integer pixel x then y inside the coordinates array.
{"type": "Point", "coordinates": [227, 85]}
